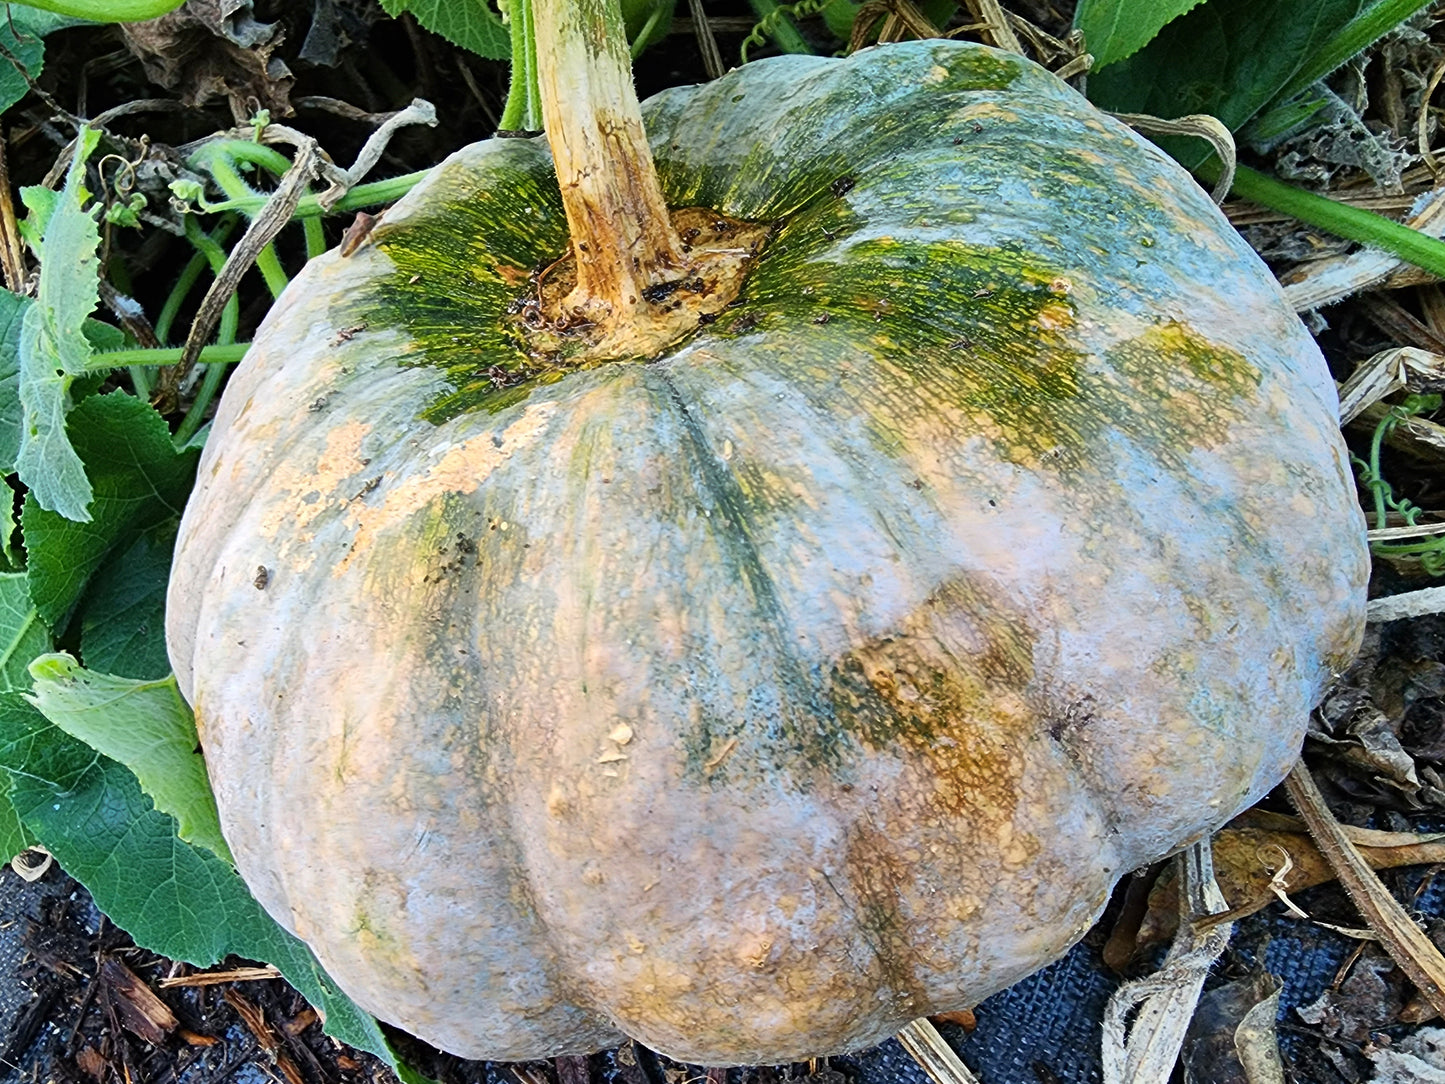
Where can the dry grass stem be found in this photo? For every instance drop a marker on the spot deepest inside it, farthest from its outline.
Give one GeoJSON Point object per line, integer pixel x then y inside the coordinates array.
{"type": "Point", "coordinates": [1428, 600]}
{"type": "Point", "coordinates": [897, 16]}
{"type": "Point", "coordinates": [1000, 32]}
{"type": "Point", "coordinates": [1399, 935]}
{"type": "Point", "coordinates": [12, 249]}
{"type": "Point", "coordinates": [1324, 282]}
{"type": "Point", "coordinates": [1422, 124]}
{"type": "Point", "coordinates": [1396, 534]}
{"type": "Point", "coordinates": [215, 978]}
{"type": "Point", "coordinates": [1384, 374]}
{"type": "Point", "coordinates": [922, 1040]}
{"type": "Point", "coordinates": [712, 60]}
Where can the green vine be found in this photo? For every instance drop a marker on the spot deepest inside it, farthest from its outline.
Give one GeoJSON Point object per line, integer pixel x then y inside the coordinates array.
{"type": "Point", "coordinates": [1341, 219]}
{"type": "Point", "coordinates": [776, 22]}
{"type": "Point", "coordinates": [523, 109]}
{"type": "Point", "coordinates": [1429, 551]}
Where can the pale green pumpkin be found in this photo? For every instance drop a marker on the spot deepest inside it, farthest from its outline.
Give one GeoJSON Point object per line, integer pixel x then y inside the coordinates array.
{"type": "Point", "coordinates": [820, 674]}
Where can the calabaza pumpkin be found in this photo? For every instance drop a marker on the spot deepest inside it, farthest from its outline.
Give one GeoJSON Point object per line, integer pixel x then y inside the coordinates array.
{"type": "Point", "coordinates": [821, 673]}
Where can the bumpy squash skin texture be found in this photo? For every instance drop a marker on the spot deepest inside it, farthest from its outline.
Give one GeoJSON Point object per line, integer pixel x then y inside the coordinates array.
{"type": "Point", "coordinates": [998, 544]}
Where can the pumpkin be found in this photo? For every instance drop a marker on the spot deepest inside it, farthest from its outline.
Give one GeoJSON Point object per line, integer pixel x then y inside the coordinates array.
{"type": "Point", "coordinates": [822, 672]}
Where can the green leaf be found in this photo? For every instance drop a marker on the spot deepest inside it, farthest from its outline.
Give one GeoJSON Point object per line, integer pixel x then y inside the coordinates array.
{"type": "Point", "coordinates": [1374, 19]}
{"type": "Point", "coordinates": [20, 35]}
{"type": "Point", "coordinates": [144, 725]}
{"type": "Point", "coordinates": [12, 315]}
{"type": "Point", "coordinates": [12, 556]}
{"type": "Point", "coordinates": [13, 836]}
{"type": "Point", "coordinates": [101, 337]}
{"type": "Point", "coordinates": [172, 898]}
{"type": "Point", "coordinates": [141, 482]}
{"type": "Point", "coordinates": [23, 636]}
{"type": "Point", "coordinates": [1114, 29]}
{"type": "Point", "coordinates": [1284, 117]}
{"type": "Point", "coordinates": [1227, 58]}
{"type": "Point", "coordinates": [472, 24]}
{"type": "Point", "coordinates": [654, 17]}
{"type": "Point", "coordinates": [54, 349]}
{"type": "Point", "coordinates": [40, 202]}
{"type": "Point", "coordinates": [122, 621]}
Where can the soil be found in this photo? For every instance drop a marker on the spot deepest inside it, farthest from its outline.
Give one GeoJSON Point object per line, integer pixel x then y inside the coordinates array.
{"type": "Point", "coordinates": [79, 1002]}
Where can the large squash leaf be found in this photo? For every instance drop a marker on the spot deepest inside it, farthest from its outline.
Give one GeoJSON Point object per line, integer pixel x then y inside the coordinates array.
{"type": "Point", "coordinates": [122, 617]}
{"type": "Point", "coordinates": [472, 24]}
{"type": "Point", "coordinates": [140, 481]}
{"type": "Point", "coordinates": [13, 836]}
{"type": "Point", "coordinates": [20, 34]}
{"type": "Point", "coordinates": [12, 318]}
{"type": "Point", "coordinates": [53, 347]}
{"type": "Point", "coordinates": [173, 898]}
{"type": "Point", "coordinates": [1210, 60]}
{"type": "Point", "coordinates": [23, 636]}
{"type": "Point", "coordinates": [1114, 29]}
{"type": "Point", "coordinates": [143, 724]}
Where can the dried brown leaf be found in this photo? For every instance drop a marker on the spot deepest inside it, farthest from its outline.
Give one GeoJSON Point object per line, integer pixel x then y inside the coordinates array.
{"type": "Point", "coordinates": [205, 50]}
{"type": "Point", "coordinates": [964, 1018]}
{"type": "Point", "coordinates": [91, 1062]}
{"type": "Point", "coordinates": [1371, 997]}
{"type": "Point", "coordinates": [1415, 1059]}
{"type": "Point", "coordinates": [1250, 856]}
{"type": "Point", "coordinates": [1231, 1039]}
{"type": "Point", "coordinates": [1401, 938]}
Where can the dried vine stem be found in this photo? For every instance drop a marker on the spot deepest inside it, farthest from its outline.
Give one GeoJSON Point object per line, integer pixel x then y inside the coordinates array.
{"type": "Point", "coordinates": [1201, 126]}
{"type": "Point", "coordinates": [264, 227]}
{"type": "Point", "coordinates": [992, 14]}
{"type": "Point", "coordinates": [1406, 943]}
{"type": "Point", "coordinates": [933, 1054]}
{"type": "Point", "coordinates": [1145, 1051]}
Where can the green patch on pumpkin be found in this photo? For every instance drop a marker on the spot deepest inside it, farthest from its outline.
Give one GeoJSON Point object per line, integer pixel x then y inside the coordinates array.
{"type": "Point", "coordinates": [459, 274]}
{"type": "Point", "coordinates": [990, 333]}
{"type": "Point", "coordinates": [462, 269]}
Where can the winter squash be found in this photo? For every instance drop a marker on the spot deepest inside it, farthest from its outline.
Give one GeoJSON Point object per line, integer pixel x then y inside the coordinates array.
{"type": "Point", "coordinates": [821, 671]}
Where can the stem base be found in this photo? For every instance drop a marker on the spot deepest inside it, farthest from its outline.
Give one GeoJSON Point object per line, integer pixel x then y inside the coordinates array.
{"type": "Point", "coordinates": [717, 251]}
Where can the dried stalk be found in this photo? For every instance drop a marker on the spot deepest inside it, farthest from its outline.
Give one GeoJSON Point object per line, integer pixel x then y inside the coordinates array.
{"type": "Point", "coordinates": [922, 1040]}
{"type": "Point", "coordinates": [1200, 126]}
{"type": "Point", "coordinates": [1406, 943]}
{"type": "Point", "coordinates": [1166, 999]}
{"type": "Point", "coordinates": [264, 227]}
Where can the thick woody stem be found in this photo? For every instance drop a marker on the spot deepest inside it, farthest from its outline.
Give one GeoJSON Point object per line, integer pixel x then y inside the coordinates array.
{"type": "Point", "coordinates": [622, 236]}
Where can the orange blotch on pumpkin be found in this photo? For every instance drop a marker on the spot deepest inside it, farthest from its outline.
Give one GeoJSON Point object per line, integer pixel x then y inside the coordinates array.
{"type": "Point", "coordinates": [462, 468]}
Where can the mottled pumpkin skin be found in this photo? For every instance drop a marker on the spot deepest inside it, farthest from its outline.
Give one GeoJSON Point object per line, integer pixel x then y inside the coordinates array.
{"type": "Point", "coordinates": [823, 673]}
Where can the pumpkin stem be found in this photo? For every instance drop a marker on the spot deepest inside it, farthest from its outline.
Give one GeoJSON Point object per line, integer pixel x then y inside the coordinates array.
{"type": "Point", "coordinates": [622, 236]}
